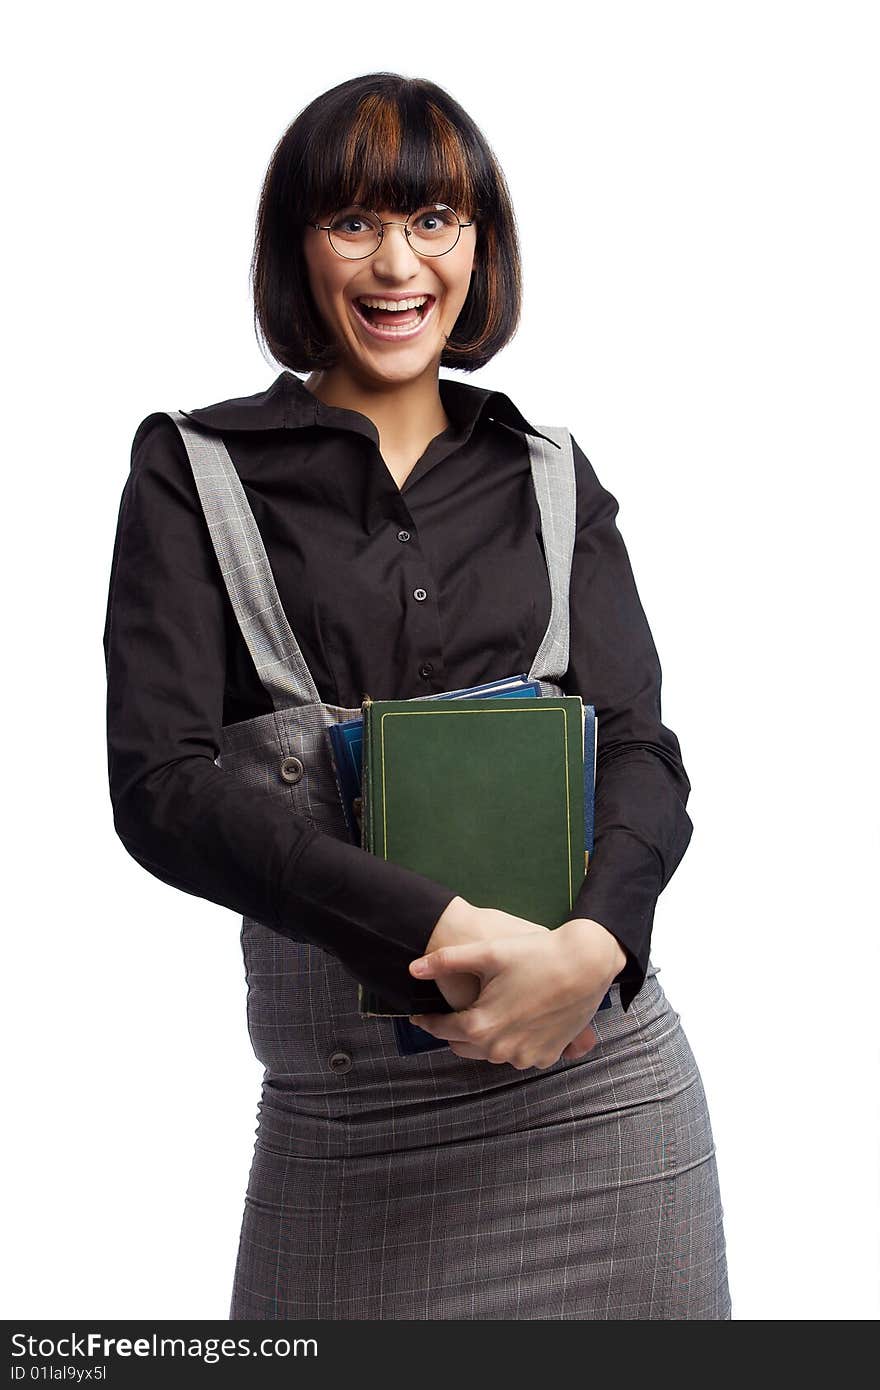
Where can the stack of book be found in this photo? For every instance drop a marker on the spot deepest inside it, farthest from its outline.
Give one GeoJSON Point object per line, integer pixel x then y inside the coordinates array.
{"type": "Point", "coordinates": [488, 789]}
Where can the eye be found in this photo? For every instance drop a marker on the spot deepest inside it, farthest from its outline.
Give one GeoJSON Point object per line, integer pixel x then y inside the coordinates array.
{"type": "Point", "coordinates": [435, 219]}
{"type": "Point", "coordinates": [350, 222]}
{"type": "Point", "coordinates": [353, 223]}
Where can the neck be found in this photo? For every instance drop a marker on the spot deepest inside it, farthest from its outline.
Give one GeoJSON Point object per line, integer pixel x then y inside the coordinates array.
{"type": "Point", "coordinates": [405, 413]}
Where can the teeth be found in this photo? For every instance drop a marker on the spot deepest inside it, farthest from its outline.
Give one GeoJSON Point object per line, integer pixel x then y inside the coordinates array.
{"type": "Point", "coordinates": [393, 304]}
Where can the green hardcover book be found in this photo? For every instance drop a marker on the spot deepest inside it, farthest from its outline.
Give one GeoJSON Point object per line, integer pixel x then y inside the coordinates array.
{"type": "Point", "coordinates": [486, 796]}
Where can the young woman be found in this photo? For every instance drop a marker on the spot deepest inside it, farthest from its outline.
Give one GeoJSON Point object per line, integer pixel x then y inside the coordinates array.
{"type": "Point", "coordinates": [380, 529]}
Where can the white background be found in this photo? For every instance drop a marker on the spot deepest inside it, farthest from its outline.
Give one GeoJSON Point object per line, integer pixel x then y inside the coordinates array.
{"type": "Point", "coordinates": [697, 197]}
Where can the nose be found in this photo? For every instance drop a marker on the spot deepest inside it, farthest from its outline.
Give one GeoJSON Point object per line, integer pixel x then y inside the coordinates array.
{"type": "Point", "coordinates": [395, 257]}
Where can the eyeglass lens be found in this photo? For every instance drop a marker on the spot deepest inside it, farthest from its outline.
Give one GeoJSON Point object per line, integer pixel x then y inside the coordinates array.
{"type": "Point", "coordinates": [433, 230]}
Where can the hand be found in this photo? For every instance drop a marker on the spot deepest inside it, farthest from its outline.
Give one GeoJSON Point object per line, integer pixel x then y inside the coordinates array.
{"type": "Point", "coordinates": [539, 990]}
{"type": "Point", "coordinates": [461, 924]}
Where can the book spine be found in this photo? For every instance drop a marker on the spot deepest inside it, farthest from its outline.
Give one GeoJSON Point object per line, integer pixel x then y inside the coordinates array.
{"type": "Point", "coordinates": [370, 1004]}
{"type": "Point", "coordinates": [346, 811]}
{"type": "Point", "coordinates": [363, 993]}
{"type": "Point", "coordinates": [366, 763]}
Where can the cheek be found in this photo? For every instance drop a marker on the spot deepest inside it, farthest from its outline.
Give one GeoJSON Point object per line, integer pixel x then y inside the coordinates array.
{"type": "Point", "coordinates": [454, 295]}
{"type": "Point", "coordinates": [332, 308]}
{"type": "Point", "coordinates": [459, 285]}
{"type": "Point", "coordinates": [325, 284]}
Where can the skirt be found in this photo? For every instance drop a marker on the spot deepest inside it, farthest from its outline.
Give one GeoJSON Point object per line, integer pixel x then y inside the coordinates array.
{"type": "Point", "coordinates": [440, 1187]}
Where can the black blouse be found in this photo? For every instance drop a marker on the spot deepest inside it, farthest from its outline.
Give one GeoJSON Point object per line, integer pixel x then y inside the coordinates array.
{"type": "Point", "coordinates": [348, 548]}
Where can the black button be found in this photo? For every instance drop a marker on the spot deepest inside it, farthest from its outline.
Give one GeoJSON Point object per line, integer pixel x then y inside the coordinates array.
{"type": "Point", "coordinates": [291, 769]}
{"type": "Point", "coordinates": [426, 669]}
{"type": "Point", "coordinates": [420, 594]}
{"type": "Point", "coordinates": [340, 1061]}
{"type": "Point", "coordinates": [403, 535]}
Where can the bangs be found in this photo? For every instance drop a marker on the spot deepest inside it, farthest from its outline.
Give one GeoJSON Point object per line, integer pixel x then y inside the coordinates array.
{"type": "Point", "coordinates": [396, 150]}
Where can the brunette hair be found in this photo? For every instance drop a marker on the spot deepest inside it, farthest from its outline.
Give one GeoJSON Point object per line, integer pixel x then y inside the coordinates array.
{"type": "Point", "coordinates": [382, 140]}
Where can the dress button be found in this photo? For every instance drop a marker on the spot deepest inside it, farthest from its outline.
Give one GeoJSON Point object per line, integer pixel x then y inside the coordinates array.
{"type": "Point", "coordinates": [403, 535]}
{"type": "Point", "coordinates": [420, 594]}
{"type": "Point", "coordinates": [340, 1061]}
{"type": "Point", "coordinates": [426, 669]}
{"type": "Point", "coordinates": [291, 769]}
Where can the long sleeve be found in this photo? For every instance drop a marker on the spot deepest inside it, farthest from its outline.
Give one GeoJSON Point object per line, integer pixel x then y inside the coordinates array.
{"type": "Point", "coordinates": [642, 826]}
{"type": "Point", "coordinates": [183, 818]}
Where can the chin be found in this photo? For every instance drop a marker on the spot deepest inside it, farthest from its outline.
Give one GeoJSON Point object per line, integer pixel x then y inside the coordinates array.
{"type": "Point", "coordinates": [398, 365]}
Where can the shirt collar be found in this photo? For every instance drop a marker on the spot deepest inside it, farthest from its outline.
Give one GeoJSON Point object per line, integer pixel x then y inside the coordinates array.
{"type": "Point", "coordinates": [287, 404]}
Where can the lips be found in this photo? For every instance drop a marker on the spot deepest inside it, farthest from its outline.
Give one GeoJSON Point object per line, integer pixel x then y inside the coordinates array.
{"type": "Point", "coordinates": [388, 330]}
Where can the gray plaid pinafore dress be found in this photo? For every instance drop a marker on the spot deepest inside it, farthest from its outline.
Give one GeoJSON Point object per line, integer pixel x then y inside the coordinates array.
{"type": "Point", "coordinates": [432, 1186]}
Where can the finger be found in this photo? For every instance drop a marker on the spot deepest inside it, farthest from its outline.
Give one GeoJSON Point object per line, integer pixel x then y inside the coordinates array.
{"type": "Point", "coordinates": [474, 1053]}
{"type": "Point", "coordinates": [447, 1026]}
{"type": "Point", "coordinates": [459, 991]}
{"type": "Point", "coordinates": [579, 1047]}
{"type": "Point", "coordinates": [474, 956]}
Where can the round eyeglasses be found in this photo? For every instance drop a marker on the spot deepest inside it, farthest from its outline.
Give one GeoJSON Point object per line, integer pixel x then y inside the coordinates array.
{"type": "Point", "coordinates": [432, 231]}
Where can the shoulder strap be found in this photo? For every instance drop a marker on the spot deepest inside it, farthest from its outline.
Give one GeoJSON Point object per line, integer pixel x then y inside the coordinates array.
{"type": "Point", "coordinates": [556, 490]}
{"type": "Point", "coordinates": [245, 567]}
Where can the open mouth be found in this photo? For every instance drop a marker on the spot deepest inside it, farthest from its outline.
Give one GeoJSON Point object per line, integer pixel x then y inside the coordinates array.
{"type": "Point", "coordinates": [387, 319]}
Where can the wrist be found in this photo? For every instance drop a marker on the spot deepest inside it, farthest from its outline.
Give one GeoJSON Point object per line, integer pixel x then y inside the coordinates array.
{"type": "Point", "coordinates": [451, 920]}
{"type": "Point", "coordinates": [598, 942]}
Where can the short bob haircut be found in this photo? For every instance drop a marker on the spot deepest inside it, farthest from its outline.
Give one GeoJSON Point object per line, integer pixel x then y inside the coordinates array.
{"type": "Point", "coordinates": [382, 141]}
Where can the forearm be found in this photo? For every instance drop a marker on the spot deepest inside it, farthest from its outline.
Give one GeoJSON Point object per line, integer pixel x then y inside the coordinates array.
{"type": "Point", "coordinates": [203, 831]}
{"type": "Point", "coordinates": [643, 831]}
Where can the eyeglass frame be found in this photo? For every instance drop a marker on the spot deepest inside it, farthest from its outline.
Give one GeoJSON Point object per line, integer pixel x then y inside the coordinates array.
{"type": "Point", "coordinates": [429, 255]}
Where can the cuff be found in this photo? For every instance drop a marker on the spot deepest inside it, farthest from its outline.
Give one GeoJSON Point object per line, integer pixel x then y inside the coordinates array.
{"type": "Point", "coordinates": [620, 890]}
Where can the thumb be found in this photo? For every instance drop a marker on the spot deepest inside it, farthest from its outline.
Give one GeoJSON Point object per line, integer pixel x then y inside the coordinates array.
{"type": "Point", "coordinates": [473, 956]}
